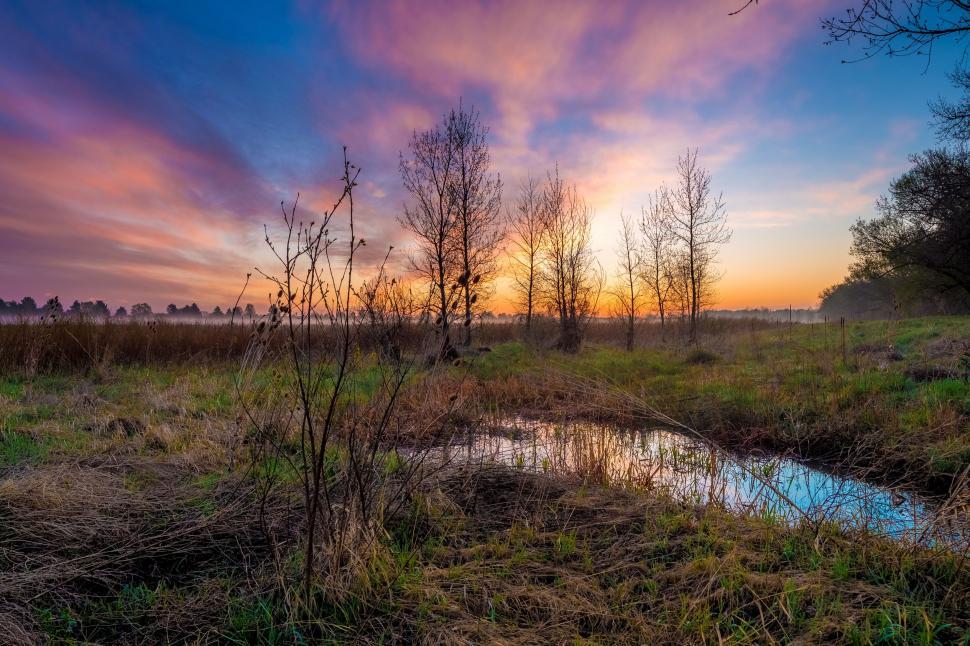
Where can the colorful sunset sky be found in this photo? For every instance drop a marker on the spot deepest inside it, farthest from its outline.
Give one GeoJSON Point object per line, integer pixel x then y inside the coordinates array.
{"type": "Point", "coordinates": [144, 144]}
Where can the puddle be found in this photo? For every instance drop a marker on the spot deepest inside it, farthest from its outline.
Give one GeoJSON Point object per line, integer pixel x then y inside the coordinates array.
{"type": "Point", "coordinates": [695, 472]}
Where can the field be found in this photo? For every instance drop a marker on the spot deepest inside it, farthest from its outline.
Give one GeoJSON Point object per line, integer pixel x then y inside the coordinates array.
{"type": "Point", "coordinates": [132, 510]}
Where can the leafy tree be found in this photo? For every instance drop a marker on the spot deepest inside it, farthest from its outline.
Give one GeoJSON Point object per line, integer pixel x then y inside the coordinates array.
{"type": "Point", "coordinates": [923, 229]}
{"type": "Point", "coordinates": [26, 307]}
{"type": "Point", "coordinates": [89, 309]}
{"type": "Point", "coordinates": [141, 310]}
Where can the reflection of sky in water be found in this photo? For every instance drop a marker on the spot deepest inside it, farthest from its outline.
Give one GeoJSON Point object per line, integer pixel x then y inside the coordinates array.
{"type": "Point", "coordinates": [694, 472]}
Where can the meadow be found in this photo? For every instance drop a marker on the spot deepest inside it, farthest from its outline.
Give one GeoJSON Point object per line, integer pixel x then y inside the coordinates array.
{"type": "Point", "coordinates": [133, 505]}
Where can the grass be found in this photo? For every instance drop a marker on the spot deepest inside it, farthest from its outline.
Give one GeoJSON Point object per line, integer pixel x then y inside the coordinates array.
{"type": "Point", "coordinates": [126, 515]}
{"type": "Point", "coordinates": [538, 560]}
{"type": "Point", "coordinates": [16, 448]}
{"type": "Point", "coordinates": [775, 389]}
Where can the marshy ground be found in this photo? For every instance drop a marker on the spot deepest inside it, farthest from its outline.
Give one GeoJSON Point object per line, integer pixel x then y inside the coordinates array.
{"type": "Point", "coordinates": [127, 513]}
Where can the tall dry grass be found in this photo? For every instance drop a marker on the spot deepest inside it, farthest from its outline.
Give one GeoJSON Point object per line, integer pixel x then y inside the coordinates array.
{"type": "Point", "coordinates": [79, 346]}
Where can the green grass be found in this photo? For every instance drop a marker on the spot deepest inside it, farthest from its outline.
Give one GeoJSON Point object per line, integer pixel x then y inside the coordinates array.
{"type": "Point", "coordinates": [774, 381]}
{"type": "Point", "coordinates": [17, 448]}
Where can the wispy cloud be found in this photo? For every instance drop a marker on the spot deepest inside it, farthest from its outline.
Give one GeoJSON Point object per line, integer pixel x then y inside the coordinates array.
{"type": "Point", "coordinates": [143, 149]}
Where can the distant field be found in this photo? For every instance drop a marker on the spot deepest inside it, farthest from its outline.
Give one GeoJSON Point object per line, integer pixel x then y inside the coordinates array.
{"type": "Point", "coordinates": [128, 513]}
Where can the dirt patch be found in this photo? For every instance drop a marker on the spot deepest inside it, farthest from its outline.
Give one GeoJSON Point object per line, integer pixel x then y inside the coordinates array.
{"type": "Point", "coordinates": [701, 357]}
{"type": "Point", "coordinates": [499, 496]}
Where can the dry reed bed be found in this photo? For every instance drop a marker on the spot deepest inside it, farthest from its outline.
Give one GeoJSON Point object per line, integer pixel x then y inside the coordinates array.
{"type": "Point", "coordinates": [71, 346]}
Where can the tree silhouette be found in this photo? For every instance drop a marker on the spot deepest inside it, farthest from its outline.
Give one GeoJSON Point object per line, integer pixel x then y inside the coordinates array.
{"type": "Point", "coordinates": [569, 275]}
{"type": "Point", "coordinates": [699, 223]}
{"type": "Point", "coordinates": [527, 230]}
{"type": "Point", "coordinates": [477, 198]}
{"type": "Point", "coordinates": [922, 225]}
{"type": "Point", "coordinates": [141, 310]}
{"type": "Point", "coordinates": [428, 174]}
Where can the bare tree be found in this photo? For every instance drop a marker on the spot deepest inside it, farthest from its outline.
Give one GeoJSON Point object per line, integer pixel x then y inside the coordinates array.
{"type": "Point", "coordinates": [678, 277]}
{"type": "Point", "coordinates": [628, 292]}
{"type": "Point", "coordinates": [913, 28]}
{"type": "Point", "coordinates": [699, 223]}
{"type": "Point", "coordinates": [657, 254]}
{"type": "Point", "coordinates": [900, 27]}
{"type": "Point", "coordinates": [952, 118]}
{"type": "Point", "coordinates": [477, 199]}
{"type": "Point", "coordinates": [388, 308]}
{"type": "Point", "coordinates": [527, 230]}
{"type": "Point", "coordinates": [429, 176]}
{"type": "Point", "coordinates": [320, 414]}
{"type": "Point", "coordinates": [299, 411]}
{"type": "Point", "coordinates": [570, 276]}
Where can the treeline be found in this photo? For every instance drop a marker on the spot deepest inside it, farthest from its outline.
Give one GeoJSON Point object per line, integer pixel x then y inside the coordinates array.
{"type": "Point", "coordinates": [913, 258]}
{"type": "Point", "coordinates": [798, 315]}
{"type": "Point", "coordinates": [27, 308]}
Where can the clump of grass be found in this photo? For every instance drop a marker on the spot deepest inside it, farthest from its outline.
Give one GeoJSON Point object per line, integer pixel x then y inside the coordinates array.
{"type": "Point", "coordinates": [701, 357]}
{"type": "Point", "coordinates": [18, 447]}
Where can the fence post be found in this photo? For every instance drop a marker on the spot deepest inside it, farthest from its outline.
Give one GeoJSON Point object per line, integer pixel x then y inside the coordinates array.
{"type": "Point", "coordinates": [842, 323]}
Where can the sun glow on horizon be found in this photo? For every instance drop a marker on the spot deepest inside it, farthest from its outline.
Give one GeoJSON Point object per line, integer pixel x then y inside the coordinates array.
{"type": "Point", "coordinates": [136, 169]}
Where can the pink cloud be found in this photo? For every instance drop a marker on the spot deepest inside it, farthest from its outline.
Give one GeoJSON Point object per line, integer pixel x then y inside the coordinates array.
{"type": "Point", "coordinates": [532, 58]}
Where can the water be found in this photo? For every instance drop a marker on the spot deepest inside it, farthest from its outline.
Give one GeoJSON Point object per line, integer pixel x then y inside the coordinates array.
{"type": "Point", "coordinates": [696, 472]}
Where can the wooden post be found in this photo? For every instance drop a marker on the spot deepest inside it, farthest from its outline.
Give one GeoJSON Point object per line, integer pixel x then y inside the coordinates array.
{"type": "Point", "coordinates": [842, 323]}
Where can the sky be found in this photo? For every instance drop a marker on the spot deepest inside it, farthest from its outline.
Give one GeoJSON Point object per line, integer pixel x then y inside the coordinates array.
{"type": "Point", "coordinates": [144, 145]}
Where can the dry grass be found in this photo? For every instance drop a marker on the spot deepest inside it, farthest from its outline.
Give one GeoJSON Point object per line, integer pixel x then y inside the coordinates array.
{"type": "Point", "coordinates": [74, 533]}
{"type": "Point", "coordinates": [95, 347]}
{"type": "Point", "coordinates": [515, 558]}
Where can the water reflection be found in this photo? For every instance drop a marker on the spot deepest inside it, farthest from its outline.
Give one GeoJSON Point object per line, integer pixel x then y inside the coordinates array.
{"type": "Point", "coordinates": [693, 471]}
